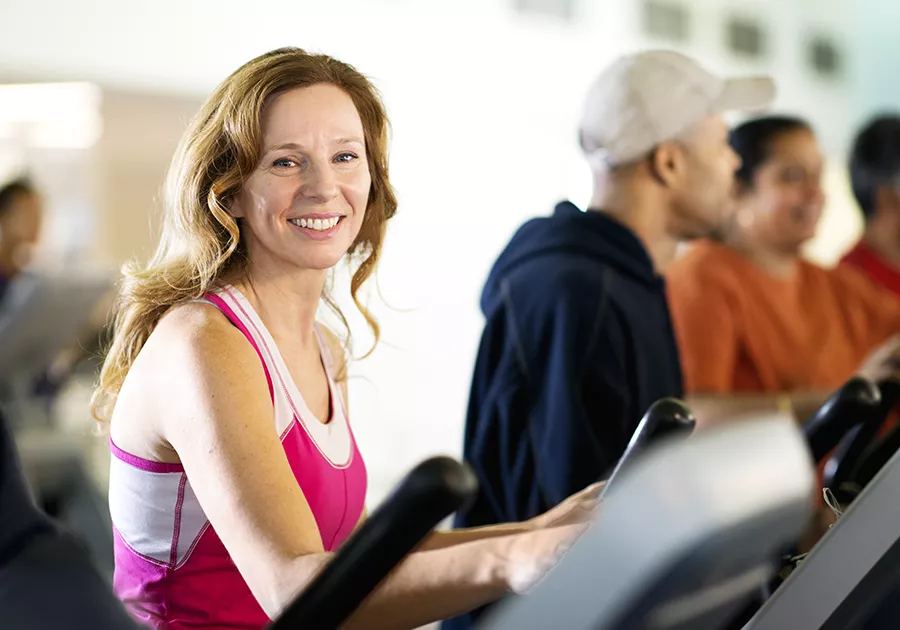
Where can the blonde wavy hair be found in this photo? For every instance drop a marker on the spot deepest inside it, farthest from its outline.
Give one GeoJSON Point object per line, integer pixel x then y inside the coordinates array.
{"type": "Point", "coordinates": [201, 242]}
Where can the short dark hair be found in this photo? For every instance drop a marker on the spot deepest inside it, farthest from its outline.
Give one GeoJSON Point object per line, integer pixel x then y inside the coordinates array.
{"type": "Point", "coordinates": [13, 189]}
{"type": "Point", "coordinates": [752, 141]}
{"type": "Point", "coordinates": [874, 159]}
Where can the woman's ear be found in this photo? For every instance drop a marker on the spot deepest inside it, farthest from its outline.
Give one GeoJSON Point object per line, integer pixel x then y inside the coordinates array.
{"type": "Point", "coordinates": [234, 207]}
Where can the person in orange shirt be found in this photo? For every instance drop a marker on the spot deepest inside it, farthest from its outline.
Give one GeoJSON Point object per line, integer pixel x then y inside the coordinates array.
{"type": "Point", "coordinates": [875, 179]}
{"type": "Point", "coordinates": [759, 328]}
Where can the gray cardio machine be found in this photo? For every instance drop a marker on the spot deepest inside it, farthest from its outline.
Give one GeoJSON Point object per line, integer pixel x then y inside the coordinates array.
{"type": "Point", "coordinates": [41, 315]}
{"type": "Point", "coordinates": [686, 538]}
{"type": "Point", "coordinates": [851, 578]}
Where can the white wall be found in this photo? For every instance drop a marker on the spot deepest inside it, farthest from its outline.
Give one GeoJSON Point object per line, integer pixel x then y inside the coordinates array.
{"type": "Point", "coordinates": [877, 56]}
{"type": "Point", "coordinates": [484, 106]}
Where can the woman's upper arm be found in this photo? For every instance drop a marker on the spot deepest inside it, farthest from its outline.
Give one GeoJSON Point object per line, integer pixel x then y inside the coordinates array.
{"type": "Point", "coordinates": [219, 420]}
{"type": "Point", "coordinates": [705, 330]}
{"type": "Point", "coordinates": [879, 305]}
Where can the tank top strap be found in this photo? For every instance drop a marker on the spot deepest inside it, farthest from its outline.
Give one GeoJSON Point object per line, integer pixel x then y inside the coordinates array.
{"type": "Point", "coordinates": [333, 438]}
{"type": "Point", "coordinates": [325, 351]}
{"type": "Point", "coordinates": [216, 300]}
{"type": "Point", "coordinates": [330, 368]}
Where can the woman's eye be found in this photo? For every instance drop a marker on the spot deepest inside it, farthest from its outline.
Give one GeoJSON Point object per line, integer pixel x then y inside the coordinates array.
{"type": "Point", "coordinates": [284, 163]}
{"type": "Point", "coordinates": [794, 175]}
{"type": "Point", "coordinates": [346, 157]}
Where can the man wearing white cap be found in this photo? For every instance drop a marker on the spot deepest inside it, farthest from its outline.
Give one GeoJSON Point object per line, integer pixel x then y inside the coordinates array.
{"type": "Point", "coordinates": [578, 343]}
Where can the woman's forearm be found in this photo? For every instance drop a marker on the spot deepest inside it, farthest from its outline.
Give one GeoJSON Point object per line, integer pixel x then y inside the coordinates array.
{"type": "Point", "coordinates": [426, 587]}
{"type": "Point", "coordinates": [444, 539]}
{"type": "Point", "coordinates": [712, 409]}
{"type": "Point", "coordinates": [805, 404]}
{"type": "Point", "coordinates": [430, 586]}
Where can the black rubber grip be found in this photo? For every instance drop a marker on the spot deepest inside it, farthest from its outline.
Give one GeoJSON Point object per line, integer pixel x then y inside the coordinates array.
{"type": "Point", "coordinates": [849, 407]}
{"type": "Point", "coordinates": [666, 418]}
{"type": "Point", "coordinates": [432, 491]}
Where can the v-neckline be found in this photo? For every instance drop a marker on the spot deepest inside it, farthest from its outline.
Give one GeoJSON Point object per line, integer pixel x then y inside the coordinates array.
{"type": "Point", "coordinates": [295, 397]}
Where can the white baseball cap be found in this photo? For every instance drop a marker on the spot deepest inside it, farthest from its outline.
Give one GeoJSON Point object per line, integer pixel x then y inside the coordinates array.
{"type": "Point", "coordinates": [644, 99]}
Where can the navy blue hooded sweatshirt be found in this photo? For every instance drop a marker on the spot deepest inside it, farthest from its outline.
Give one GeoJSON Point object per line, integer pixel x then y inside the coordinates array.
{"type": "Point", "coordinates": [577, 345]}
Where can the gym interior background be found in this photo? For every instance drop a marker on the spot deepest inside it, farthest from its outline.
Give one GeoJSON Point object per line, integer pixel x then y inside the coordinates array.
{"type": "Point", "coordinates": [484, 98]}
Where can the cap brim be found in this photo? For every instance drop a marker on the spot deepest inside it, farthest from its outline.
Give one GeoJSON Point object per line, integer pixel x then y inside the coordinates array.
{"type": "Point", "coordinates": [746, 93]}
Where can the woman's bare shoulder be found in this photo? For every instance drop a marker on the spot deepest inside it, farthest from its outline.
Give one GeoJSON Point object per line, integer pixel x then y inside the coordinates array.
{"type": "Point", "coordinates": [192, 356]}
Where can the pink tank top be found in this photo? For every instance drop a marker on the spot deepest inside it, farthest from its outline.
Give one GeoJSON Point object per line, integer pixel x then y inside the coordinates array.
{"type": "Point", "coordinates": [172, 571]}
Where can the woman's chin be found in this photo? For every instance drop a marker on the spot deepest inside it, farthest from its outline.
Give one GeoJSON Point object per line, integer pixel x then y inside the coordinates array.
{"type": "Point", "coordinates": [317, 263]}
{"type": "Point", "coordinates": [798, 242]}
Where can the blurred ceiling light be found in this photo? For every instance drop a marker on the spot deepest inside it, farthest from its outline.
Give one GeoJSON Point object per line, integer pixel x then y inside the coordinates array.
{"type": "Point", "coordinates": [22, 102]}
{"type": "Point", "coordinates": [51, 115]}
{"type": "Point", "coordinates": [55, 136]}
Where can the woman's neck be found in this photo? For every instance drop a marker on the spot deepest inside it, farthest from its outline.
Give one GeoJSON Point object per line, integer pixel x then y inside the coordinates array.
{"type": "Point", "coordinates": [286, 302]}
{"type": "Point", "coordinates": [8, 263]}
{"type": "Point", "coordinates": [778, 264]}
{"type": "Point", "coordinates": [884, 241]}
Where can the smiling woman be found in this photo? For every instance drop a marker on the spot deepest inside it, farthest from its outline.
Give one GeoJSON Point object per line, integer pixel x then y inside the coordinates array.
{"type": "Point", "coordinates": [312, 182]}
{"type": "Point", "coordinates": [235, 472]}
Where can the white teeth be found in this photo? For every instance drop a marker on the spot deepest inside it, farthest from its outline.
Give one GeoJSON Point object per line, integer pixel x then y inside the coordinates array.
{"type": "Point", "coordinates": [316, 224]}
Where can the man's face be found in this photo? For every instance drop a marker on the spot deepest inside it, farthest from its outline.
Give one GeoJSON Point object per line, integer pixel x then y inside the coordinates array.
{"type": "Point", "coordinates": [703, 193]}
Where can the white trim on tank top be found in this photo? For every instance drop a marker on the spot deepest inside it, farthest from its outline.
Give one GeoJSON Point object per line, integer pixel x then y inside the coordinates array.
{"type": "Point", "coordinates": [333, 440]}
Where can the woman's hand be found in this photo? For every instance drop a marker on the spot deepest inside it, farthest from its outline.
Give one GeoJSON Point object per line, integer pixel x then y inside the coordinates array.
{"type": "Point", "coordinates": [578, 508]}
{"type": "Point", "coordinates": [528, 557]}
{"type": "Point", "coordinates": [884, 362]}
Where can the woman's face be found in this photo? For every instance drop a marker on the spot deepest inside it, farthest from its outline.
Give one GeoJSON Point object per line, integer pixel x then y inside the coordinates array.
{"type": "Point", "coordinates": [20, 225]}
{"type": "Point", "coordinates": [304, 204]}
{"type": "Point", "coordinates": [783, 208]}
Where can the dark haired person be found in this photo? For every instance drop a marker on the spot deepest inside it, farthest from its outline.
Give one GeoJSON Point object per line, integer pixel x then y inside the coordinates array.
{"type": "Point", "coordinates": [21, 211]}
{"type": "Point", "coordinates": [21, 217]}
{"type": "Point", "coordinates": [875, 179]}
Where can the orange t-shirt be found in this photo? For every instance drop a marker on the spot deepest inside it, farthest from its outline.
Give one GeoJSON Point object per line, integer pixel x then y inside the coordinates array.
{"type": "Point", "coordinates": [740, 330]}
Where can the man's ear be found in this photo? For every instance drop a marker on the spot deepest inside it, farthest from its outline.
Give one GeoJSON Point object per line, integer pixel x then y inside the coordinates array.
{"type": "Point", "coordinates": [667, 163]}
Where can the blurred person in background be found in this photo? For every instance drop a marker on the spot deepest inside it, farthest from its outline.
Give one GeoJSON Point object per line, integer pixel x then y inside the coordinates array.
{"type": "Point", "coordinates": [578, 343]}
{"type": "Point", "coordinates": [875, 179]}
{"type": "Point", "coordinates": [21, 214]}
{"type": "Point", "coordinates": [759, 327]}
{"type": "Point", "coordinates": [38, 558]}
